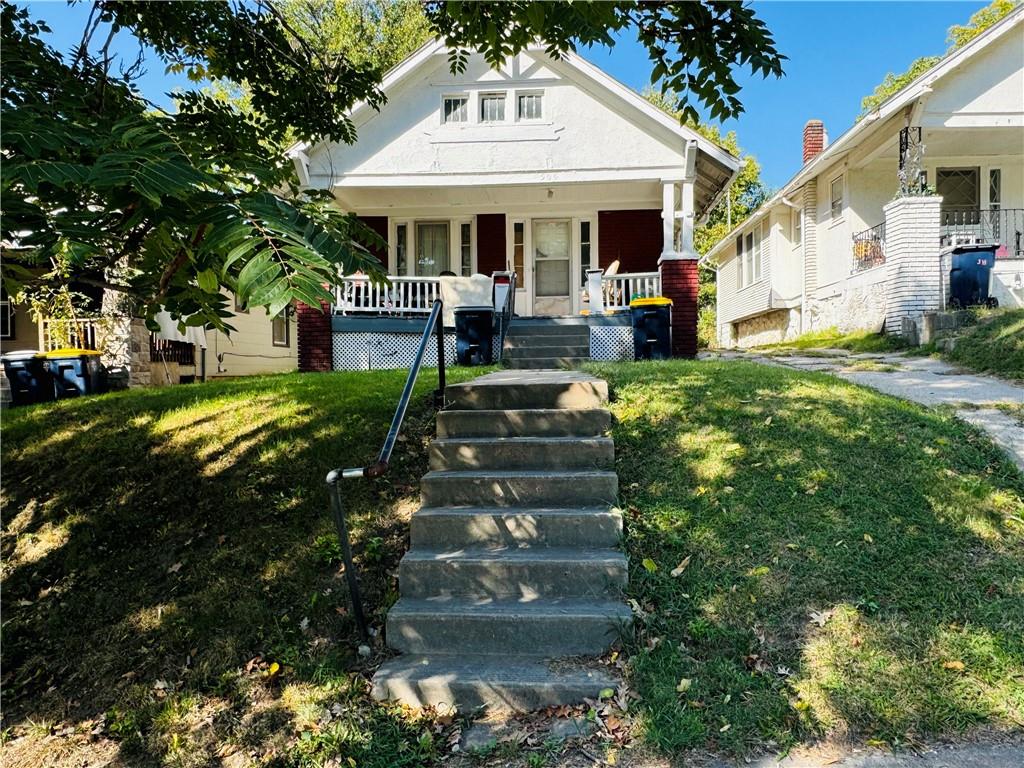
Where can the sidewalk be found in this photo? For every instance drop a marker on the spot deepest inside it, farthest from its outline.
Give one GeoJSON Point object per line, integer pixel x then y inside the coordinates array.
{"type": "Point", "coordinates": [922, 379]}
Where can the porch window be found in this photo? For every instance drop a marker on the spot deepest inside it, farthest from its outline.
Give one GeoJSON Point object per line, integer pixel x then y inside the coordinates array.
{"type": "Point", "coordinates": [518, 251]}
{"type": "Point", "coordinates": [836, 197]}
{"type": "Point", "coordinates": [431, 248]}
{"type": "Point", "coordinates": [401, 249]}
{"type": "Point", "coordinates": [530, 107]}
{"type": "Point", "coordinates": [995, 188]}
{"type": "Point", "coordinates": [584, 250]}
{"type": "Point", "coordinates": [466, 248]}
{"type": "Point", "coordinates": [456, 109]}
{"type": "Point", "coordinates": [492, 107]}
{"type": "Point", "coordinates": [6, 316]}
{"type": "Point", "coordinates": [279, 329]}
{"type": "Point", "coordinates": [961, 198]}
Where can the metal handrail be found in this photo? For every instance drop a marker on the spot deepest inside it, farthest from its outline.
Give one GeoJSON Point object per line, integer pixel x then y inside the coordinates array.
{"type": "Point", "coordinates": [505, 316]}
{"type": "Point", "coordinates": [380, 467]}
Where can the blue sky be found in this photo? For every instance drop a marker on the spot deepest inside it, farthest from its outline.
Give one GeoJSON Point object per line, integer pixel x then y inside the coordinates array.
{"type": "Point", "coordinates": [838, 52]}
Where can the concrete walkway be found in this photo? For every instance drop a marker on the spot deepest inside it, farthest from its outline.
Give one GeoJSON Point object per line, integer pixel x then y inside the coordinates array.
{"type": "Point", "coordinates": [924, 380]}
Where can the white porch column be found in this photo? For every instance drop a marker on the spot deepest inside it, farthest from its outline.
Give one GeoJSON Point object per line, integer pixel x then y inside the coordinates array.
{"type": "Point", "coordinates": [686, 213]}
{"type": "Point", "coordinates": [668, 219]}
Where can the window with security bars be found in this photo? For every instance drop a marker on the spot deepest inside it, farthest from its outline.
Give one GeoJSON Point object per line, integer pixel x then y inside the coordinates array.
{"type": "Point", "coordinates": [456, 109]}
{"type": "Point", "coordinates": [530, 107]}
{"type": "Point", "coordinates": [961, 197]}
{"type": "Point", "coordinates": [492, 107]}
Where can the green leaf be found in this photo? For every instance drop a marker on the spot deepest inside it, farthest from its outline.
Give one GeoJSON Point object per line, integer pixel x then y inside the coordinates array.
{"type": "Point", "coordinates": [649, 564]}
{"type": "Point", "coordinates": [207, 280]}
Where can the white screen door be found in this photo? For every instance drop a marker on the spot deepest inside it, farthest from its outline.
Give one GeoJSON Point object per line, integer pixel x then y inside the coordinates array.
{"type": "Point", "coordinates": [551, 251]}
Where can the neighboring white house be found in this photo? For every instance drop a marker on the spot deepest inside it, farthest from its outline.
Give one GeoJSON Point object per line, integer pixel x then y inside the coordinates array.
{"type": "Point", "coordinates": [816, 255]}
{"type": "Point", "coordinates": [543, 167]}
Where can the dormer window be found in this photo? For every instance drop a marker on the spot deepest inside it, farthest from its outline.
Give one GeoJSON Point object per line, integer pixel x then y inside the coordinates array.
{"type": "Point", "coordinates": [456, 109]}
{"type": "Point", "coordinates": [530, 106]}
{"type": "Point", "coordinates": [492, 107]}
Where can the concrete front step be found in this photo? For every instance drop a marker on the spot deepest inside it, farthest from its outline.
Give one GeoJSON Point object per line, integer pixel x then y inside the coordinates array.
{"type": "Point", "coordinates": [492, 488]}
{"type": "Point", "coordinates": [547, 363]}
{"type": "Point", "coordinates": [497, 682]}
{"type": "Point", "coordinates": [547, 350]}
{"type": "Point", "coordinates": [561, 626]}
{"type": "Point", "coordinates": [551, 326]}
{"type": "Point", "coordinates": [527, 340]}
{"type": "Point", "coordinates": [544, 389]}
{"type": "Point", "coordinates": [526, 572]}
{"type": "Point", "coordinates": [450, 527]}
{"type": "Point", "coordinates": [533, 422]}
{"type": "Point", "coordinates": [510, 453]}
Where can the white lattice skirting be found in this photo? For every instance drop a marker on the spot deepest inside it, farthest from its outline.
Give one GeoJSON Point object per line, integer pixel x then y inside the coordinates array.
{"type": "Point", "coordinates": [379, 351]}
{"type": "Point", "coordinates": [611, 342]}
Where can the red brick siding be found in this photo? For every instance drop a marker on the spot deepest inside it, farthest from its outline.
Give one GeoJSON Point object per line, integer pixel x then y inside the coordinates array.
{"type": "Point", "coordinates": [814, 139]}
{"type": "Point", "coordinates": [490, 243]}
{"type": "Point", "coordinates": [313, 337]}
{"type": "Point", "coordinates": [679, 283]}
{"type": "Point", "coordinates": [632, 237]}
{"type": "Point", "coordinates": [378, 224]}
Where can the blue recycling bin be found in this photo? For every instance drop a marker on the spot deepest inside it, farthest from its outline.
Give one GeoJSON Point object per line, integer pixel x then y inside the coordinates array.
{"type": "Point", "coordinates": [969, 275]}
{"type": "Point", "coordinates": [76, 372]}
{"type": "Point", "coordinates": [473, 334]}
{"type": "Point", "coordinates": [29, 377]}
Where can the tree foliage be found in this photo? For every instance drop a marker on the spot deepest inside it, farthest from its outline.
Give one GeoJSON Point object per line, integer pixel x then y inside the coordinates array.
{"type": "Point", "coordinates": [176, 209]}
{"type": "Point", "coordinates": [958, 36]}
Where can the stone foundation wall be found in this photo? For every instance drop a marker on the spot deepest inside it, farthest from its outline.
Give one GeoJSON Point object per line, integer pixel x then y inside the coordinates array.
{"type": "Point", "coordinates": [858, 308]}
{"type": "Point", "coordinates": [769, 328]}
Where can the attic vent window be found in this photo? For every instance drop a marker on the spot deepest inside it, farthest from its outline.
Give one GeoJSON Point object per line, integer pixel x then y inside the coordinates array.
{"type": "Point", "coordinates": [492, 107]}
{"type": "Point", "coordinates": [530, 106]}
{"type": "Point", "coordinates": [456, 109]}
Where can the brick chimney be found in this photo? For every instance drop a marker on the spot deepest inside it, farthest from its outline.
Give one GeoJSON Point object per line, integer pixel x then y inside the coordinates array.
{"type": "Point", "coordinates": [815, 139]}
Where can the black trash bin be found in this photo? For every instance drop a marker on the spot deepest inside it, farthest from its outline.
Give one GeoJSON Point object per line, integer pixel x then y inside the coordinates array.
{"type": "Point", "coordinates": [969, 275]}
{"type": "Point", "coordinates": [29, 377]}
{"type": "Point", "coordinates": [76, 372]}
{"type": "Point", "coordinates": [652, 328]}
{"type": "Point", "coordinates": [473, 329]}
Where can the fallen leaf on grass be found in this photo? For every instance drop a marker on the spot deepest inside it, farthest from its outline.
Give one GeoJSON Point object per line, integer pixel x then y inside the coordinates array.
{"type": "Point", "coordinates": [684, 685]}
{"type": "Point", "coordinates": [174, 568]}
{"type": "Point", "coordinates": [820, 617]}
{"type": "Point", "coordinates": [678, 570]}
{"type": "Point", "coordinates": [955, 666]}
{"type": "Point", "coordinates": [868, 539]}
{"type": "Point", "coordinates": [649, 564]}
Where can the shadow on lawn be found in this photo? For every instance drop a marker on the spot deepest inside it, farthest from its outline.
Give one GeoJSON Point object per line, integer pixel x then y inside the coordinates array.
{"type": "Point", "coordinates": [162, 549]}
{"type": "Point", "coordinates": [855, 562]}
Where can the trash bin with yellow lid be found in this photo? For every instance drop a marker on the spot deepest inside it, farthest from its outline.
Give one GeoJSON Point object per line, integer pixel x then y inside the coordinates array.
{"type": "Point", "coordinates": [76, 372]}
{"type": "Point", "coordinates": [28, 376]}
{"type": "Point", "coordinates": [652, 328]}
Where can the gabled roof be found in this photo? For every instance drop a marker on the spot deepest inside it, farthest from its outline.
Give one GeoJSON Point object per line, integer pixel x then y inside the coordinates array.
{"type": "Point", "coordinates": [716, 167]}
{"type": "Point", "coordinates": [867, 126]}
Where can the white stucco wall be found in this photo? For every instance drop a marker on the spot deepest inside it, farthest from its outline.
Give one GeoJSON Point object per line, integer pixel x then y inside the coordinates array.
{"type": "Point", "coordinates": [578, 131]}
{"type": "Point", "coordinates": [1007, 283]}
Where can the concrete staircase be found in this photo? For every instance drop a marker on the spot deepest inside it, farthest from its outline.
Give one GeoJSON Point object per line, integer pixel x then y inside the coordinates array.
{"type": "Point", "coordinates": [514, 560]}
{"type": "Point", "coordinates": [555, 342]}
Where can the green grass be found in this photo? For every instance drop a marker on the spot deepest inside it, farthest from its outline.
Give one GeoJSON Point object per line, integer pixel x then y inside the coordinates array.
{"type": "Point", "coordinates": [860, 341]}
{"type": "Point", "coordinates": [994, 345]}
{"type": "Point", "coordinates": [856, 562]}
{"type": "Point", "coordinates": [162, 549]}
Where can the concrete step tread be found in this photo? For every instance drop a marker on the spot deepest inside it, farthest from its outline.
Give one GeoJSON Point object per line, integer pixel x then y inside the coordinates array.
{"type": "Point", "coordinates": [546, 339]}
{"type": "Point", "coordinates": [497, 681]}
{"type": "Point", "coordinates": [470, 474]}
{"type": "Point", "coordinates": [546, 607]}
{"type": "Point", "coordinates": [522, 554]}
{"type": "Point", "coordinates": [544, 363]}
{"type": "Point", "coordinates": [511, 511]}
{"type": "Point", "coordinates": [564, 349]}
{"type": "Point", "coordinates": [523, 440]}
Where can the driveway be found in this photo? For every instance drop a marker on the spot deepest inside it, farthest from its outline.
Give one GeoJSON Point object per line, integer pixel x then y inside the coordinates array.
{"type": "Point", "coordinates": [924, 380]}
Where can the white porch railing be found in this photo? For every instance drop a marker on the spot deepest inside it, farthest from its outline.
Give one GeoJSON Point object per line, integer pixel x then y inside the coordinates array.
{"type": "Point", "coordinates": [82, 333]}
{"type": "Point", "coordinates": [405, 295]}
{"type": "Point", "coordinates": [618, 290]}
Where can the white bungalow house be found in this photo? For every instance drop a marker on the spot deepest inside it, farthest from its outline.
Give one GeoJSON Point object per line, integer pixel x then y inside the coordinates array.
{"type": "Point", "coordinates": [546, 168]}
{"type": "Point", "coordinates": [834, 249]}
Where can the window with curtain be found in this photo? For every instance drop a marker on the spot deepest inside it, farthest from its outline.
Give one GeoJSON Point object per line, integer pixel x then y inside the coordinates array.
{"type": "Point", "coordinates": [466, 248]}
{"type": "Point", "coordinates": [456, 109]}
{"type": "Point", "coordinates": [431, 248]}
{"type": "Point", "coordinates": [584, 250]}
{"type": "Point", "coordinates": [530, 106]}
{"type": "Point", "coordinates": [401, 249]}
{"type": "Point", "coordinates": [279, 329]}
{"type": "Point", "coordinates": [798, 227]}
{"type": "Point", "coordinates": [518, 251]}
{"type": "Point", "coordinates": [836, 197]}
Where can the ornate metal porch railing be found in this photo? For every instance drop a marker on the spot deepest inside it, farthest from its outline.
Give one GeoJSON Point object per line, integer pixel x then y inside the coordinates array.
{"type": "Point", "coordinates": [1003, 226]}
{"type": "Point", "coordinates": [618, 290]}
{"type": "Point", "coordinates": [869, 248]}
{"type": "Point", "coordinates": [405, 295]}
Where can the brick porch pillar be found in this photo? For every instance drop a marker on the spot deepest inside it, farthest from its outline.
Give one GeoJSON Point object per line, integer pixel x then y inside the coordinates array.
{"type": "Point", "coordinates": [679, 283]}
{"type": "Point", "coordinates": [313, 336]}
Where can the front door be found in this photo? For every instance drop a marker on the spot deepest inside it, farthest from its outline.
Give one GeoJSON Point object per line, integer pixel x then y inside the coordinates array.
{"type": "Point", "coordinates": [551, 267]}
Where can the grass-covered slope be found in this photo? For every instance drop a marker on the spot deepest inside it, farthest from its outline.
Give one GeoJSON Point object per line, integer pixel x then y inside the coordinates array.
{"type": "Point", "coordinates": [993, 345]}
{"type": "Point", "coordinates": [854, 564]}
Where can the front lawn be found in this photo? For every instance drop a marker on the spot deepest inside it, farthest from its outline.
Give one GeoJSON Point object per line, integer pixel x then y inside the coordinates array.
{"type": "Point", "coordinates": [172, 595]}
{"type": "Point", "coordinates": [994, 345]}
{"type": "Point", "coordinates": [854, 564]}
{"type": "Point", "coordinates": [831, 338]}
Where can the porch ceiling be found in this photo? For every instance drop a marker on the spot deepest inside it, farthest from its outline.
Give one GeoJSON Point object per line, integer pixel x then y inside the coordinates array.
{"type": "Point", "coordinates": [954, 143]}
